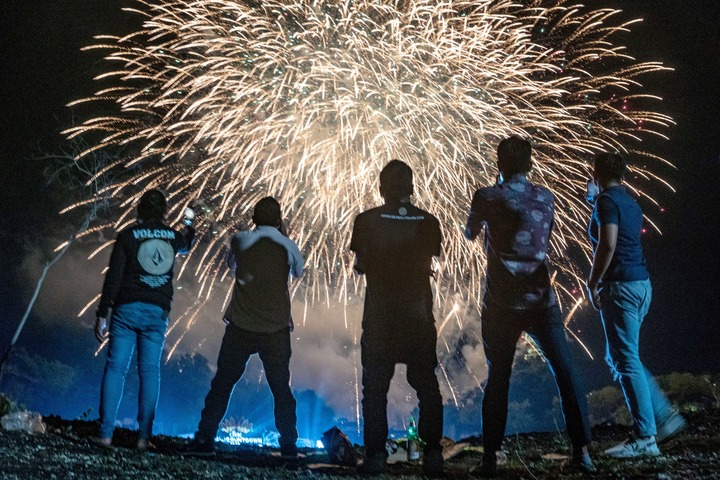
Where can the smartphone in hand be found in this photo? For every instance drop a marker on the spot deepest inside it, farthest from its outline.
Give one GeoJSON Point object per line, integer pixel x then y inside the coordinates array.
{"type": "Point", "coordinates": [591, 191]}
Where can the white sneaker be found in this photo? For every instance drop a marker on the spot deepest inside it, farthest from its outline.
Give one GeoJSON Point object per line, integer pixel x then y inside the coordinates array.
{"type": "Point", "coordinates": [670, 428]}
{"type": "Point", "coordinates": [634, 447]}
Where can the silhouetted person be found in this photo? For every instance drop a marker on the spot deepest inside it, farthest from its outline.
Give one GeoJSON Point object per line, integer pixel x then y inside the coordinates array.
{"type": "Point", "coordinates": [394, 245]}
{"type": "Point", "coordinates": [258, 321]}
{"type": "Point", "coordinates": [518, 220]}
{"type": "Point", "coordinates": [138, 288]}
{"type": "Point", "coordinates": [619, 286]}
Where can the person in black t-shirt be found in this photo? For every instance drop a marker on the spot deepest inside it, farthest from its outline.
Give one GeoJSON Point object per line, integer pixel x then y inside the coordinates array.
{"type": "Point", "coordinates": [394, 245]}
{"type": "Point", "coordinates": [138, 288]}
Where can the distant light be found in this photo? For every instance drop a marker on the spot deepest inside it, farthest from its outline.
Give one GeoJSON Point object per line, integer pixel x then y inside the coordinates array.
{"type": "Point", "coordinates": [319, 444]}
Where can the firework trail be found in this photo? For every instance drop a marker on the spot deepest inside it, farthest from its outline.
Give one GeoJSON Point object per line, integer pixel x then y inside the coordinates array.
{"type": "Point", "coordinates": [221, 102]}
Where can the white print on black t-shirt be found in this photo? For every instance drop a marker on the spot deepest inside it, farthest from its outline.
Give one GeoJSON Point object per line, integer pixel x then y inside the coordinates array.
{"type": "Point", "coordinates": [399, 217]}
{"type": "Point", "coordinates": [156, 257]}
{"type": "Point", "coordinates": [154, 281]}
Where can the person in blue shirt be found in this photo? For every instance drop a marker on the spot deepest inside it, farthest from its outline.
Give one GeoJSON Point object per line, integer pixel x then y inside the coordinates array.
{"type": "Point", "coordinates": [619, 286]}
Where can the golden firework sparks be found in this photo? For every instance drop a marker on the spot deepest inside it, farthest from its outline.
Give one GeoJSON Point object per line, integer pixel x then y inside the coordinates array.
{"type": "Point", "coordinates": [225, 101]}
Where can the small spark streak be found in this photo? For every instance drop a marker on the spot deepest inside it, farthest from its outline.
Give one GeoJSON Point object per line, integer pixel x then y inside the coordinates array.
{"type": "Point", "coordinates": [587, 350]}
{"type": "Point", "coordinates": [190, 322]}
{"type": "Point", "coordinates": [61, 246]}
{"type": "Point", "coordinates": [89, 304]}
{"type": "Point", "coordinates": [447, 318]}
{"type": "Point", "coordinates": [452, 389]}
{"type": "Point", "coordinates": [102, 345]}
{"type": "Point", "coordinates": [572, 311]}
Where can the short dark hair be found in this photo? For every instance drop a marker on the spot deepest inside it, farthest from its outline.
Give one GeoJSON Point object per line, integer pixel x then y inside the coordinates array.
{"type": "Point", "coordinates": [514, 156]}
{"type": "Point", "coordinates": [267, 212]}
{"type": "Point", "coordinates": [396, 180]}
{"type": "Point", "coordinates": [609, 166]}
{"type": "Point", "coordinates": [152, 206]}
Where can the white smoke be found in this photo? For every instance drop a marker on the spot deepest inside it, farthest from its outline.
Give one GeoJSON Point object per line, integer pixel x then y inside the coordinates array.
{"type": "Point", "coordinates": [326, 340]}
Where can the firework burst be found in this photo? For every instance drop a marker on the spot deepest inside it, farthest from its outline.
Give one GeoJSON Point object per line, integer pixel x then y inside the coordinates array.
{"type": "Point", "coordinates": [221, 102]}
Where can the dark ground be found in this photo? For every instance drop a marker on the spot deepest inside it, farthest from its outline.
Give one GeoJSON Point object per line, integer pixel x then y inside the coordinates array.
{"type": "Point", "coordinates": [64, 452]}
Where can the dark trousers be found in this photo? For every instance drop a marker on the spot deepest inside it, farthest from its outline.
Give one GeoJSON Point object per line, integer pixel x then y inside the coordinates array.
{"type": "Point", "coordinates": [380, 353]}
{"type": "Point", "coordinates": [237, 347]}
{"type": "Point", "coordinates": [501, 329]}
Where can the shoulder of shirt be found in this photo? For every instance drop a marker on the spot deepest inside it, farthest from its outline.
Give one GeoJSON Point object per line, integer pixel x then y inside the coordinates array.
{"type": "Point", "coordinates": [429, 215]}
{"type": "Point", "coordinates": [369, 212]}
{"type": "Point", "coordinates": [242, 233]}
{"type": "Point", "coordinates": [151, 226]}
{"type": "Point", "coordinates": [129, 229]}
{"type": "Point", "coordinates": [542, 189]}
{"type": "Point", "coordinates": [605, 197]}
{"type": "Point", "coordinates": [486, 191]}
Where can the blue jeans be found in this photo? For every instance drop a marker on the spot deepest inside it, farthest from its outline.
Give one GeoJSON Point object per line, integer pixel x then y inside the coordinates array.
{"type": "Point", "coordinates": [624, 306]}
{"type": "Point", "coordinates": [144, 325]}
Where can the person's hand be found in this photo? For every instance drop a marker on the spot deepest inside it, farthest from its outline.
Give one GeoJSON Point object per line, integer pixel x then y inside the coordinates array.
{"type": "Point", "coordinates": [101, 329]}
{"type": "Point", "coordinates": [594, 295]}
{"type": "Point", "coordinates": [189, 215]}
{"type": "Point", "coordinates": [592, 191]}
{"type": "Point", "coordinates": [359, 266]}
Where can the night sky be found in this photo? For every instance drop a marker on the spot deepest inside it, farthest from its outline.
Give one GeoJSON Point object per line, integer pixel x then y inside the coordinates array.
{"type": "Point", "coordinates": [42, 69]}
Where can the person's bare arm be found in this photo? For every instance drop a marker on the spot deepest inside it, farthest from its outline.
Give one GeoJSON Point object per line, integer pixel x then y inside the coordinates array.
{"type": "Point", "coordinates": [604, 252]}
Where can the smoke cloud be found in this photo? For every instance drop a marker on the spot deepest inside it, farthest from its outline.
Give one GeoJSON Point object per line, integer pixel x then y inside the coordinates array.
{"type": "Point", "coordinates": [326, 340]}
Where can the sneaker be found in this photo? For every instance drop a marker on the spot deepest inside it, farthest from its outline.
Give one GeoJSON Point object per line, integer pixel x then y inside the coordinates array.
{"type": "Point", "coordinates": [582, 462]}
{"type": "Point", "coordinates": [143, 445]}
{"type": "Point", "coordinates": [199, 448]}
{"type": "Point", "coordinates": [634, 448]}
{"type": "Point", "coordinates": [289, 452]}
{"type": "Point", "coordinates": [101, 441]}
{"type": "Point", "coordinates": [289, 456]}
{"type": "Point", "coordinates": [433, 463]}
{"type": "Point", "coordinates": [670, 428]}
{"type": "Point", "coordinates": [374, 464]}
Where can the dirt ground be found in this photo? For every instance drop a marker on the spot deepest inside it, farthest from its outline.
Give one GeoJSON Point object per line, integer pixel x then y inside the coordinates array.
{"type": "Point", "coordinates": [64, 453]}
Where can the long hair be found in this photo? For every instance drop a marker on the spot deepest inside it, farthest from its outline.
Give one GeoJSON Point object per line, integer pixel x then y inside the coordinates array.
{"type": "Point", "coordinates": [152, 206]}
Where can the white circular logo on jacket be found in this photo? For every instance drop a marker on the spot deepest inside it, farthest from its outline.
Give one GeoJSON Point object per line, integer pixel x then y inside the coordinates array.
{"type": "Point", "coordinates": [156, 256]}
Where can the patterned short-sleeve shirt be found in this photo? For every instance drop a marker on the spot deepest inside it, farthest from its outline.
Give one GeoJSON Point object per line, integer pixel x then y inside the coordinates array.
{"type": "Point", "coordinates": [518, 217]}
